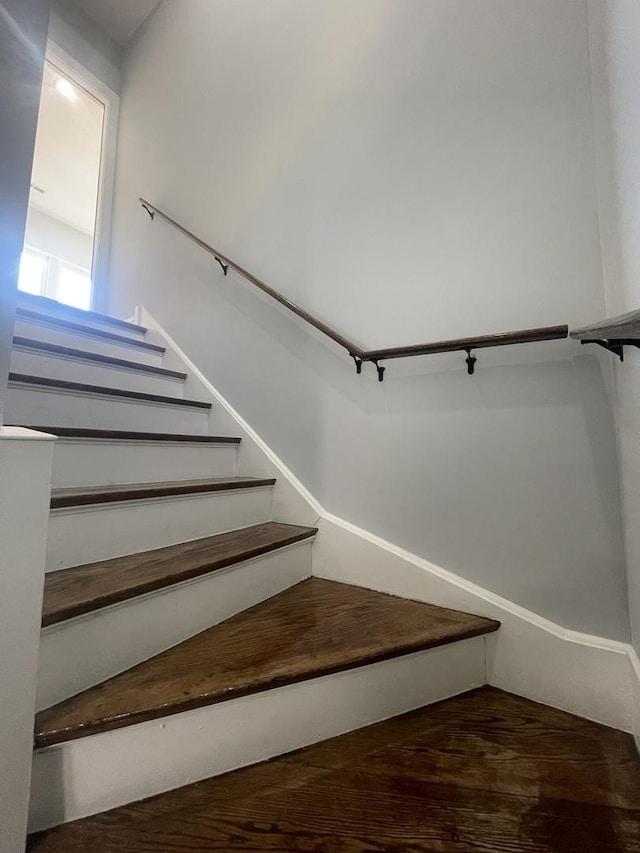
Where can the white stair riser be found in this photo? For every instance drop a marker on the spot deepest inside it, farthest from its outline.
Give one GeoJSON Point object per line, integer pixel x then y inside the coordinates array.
{"type": "Point", "coordinates": [89, 534]}
{"type": "Point", "coordinates": [101, 462]}
{"type": "Point", "coordinates": [65, 315]}
{"type": "Point", "coordinates": [28, 404]}
{"type": "Point", "coordinates": [93, 373]}
{"type": "Point", "coordinates": [85, 651]}
{"type": "Point", "coordinates": [88, 342]}
{"type": "Point", "coordinates": [93, 774]}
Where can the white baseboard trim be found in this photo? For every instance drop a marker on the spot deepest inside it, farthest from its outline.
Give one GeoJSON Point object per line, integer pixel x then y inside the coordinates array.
{"type": "Point", "coordinates": [292, 501]}
{"type": "Point", "coordinates": [590, 676]}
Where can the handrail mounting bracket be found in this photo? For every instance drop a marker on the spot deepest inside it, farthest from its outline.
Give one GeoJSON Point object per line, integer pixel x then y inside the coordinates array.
{"type": "Point", "coordinates": [471, 362]}
{"type": "Point", "coordinates": [225, 267]}
{"type": "Point", "coordinates": [151, 213]}
{"type": "Point", "coordinates": [379, 368]}
{"type": "Point", "coordinates": [358, 363]}
{"type": "Point", "coordinates": [614, 345]}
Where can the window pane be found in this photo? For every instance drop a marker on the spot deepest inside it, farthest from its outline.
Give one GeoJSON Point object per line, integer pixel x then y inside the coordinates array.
{"type": "Point", "coordinates": [33, 272]}
{"type": "Point", "coordinates": [74, 288]}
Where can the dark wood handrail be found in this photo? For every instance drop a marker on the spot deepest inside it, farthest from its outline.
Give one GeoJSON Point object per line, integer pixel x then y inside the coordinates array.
{"type": "Point", "coordinates": [359, 355]}
{"type": "Point", "coordinates": [227, 262]}
{"type": "Point", "coordinates": [525, 336]}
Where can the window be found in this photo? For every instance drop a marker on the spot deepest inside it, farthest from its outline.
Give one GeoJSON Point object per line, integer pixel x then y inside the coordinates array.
{"type": "Point", "coordinates": [46, 275]}
{"type": "Point", "coordinates": [71, 183]}
{"type": "Point", "coordinates": [74, 287]}
{"type": "Point", "coordinates": [34, 270]}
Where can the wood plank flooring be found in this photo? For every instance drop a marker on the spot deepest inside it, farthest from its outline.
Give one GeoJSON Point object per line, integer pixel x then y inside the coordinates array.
{"type": "Point", "coordinates": [486, 772]}
{"type": "Point", "coordinates": [315, 628]}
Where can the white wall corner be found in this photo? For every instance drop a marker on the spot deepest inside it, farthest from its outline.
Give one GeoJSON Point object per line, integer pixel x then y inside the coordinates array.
{"type": "Point", "coordinates": [592, 677]}
{"type": "Point", "coordinates": [25, 490]}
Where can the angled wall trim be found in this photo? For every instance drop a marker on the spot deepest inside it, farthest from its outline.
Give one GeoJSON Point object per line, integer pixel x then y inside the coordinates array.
{"type": "Point", "coordinates": [531, 656]}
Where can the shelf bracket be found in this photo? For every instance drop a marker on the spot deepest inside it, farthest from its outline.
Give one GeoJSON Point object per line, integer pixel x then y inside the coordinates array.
{"type": "Point", "coordinates": [151, 213]}
{"type": "Point", "coordinates": [471, 362]}
{"type": "Point", "coordinates": [225, 267]}
{"type": "Point", "coordinates": [614, 345]}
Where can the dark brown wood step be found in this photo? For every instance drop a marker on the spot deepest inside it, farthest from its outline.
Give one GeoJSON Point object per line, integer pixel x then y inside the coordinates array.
{"type": "Point", "coordinates": [84, 355]}
{"type": "Point", "coordinates": [105, 391]}
{"type": "Point", "coordinates": [316, 628]}
{"type": "Point", "coordinates": [43, 304]}
{"type": "Point", "coordinates": [126, 435]}
{"type": "Point", "coordinates": [74, 592]}
{"type": "Point", "coordinates": [89, 495]}
{"type": "Point", "coordinates": [93, 331]}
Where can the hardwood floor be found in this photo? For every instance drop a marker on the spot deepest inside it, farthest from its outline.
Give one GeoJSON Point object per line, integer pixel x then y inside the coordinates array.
{"type": "Point", "coordinates": [486, 772]}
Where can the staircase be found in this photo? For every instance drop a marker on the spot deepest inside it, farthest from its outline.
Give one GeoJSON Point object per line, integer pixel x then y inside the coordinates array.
{"type": "Point", "coordinates": [183, 634]}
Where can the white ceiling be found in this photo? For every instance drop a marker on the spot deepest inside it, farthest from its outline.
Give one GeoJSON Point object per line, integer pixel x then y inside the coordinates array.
{"type": "Point", "coordinates": [119, 18]}
{"type": "Point", "coordinates": [66, 165]}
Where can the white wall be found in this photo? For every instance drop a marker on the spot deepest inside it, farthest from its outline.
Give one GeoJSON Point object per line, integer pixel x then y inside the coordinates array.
{"type": "Point", "coordinates": [77, 34]}
{"type": "Point", "coordinates": [618, 23]}
{"type": "Point", "coordinates": [56, 238]}
{"type": "Point", "coordinates": [407, 170]}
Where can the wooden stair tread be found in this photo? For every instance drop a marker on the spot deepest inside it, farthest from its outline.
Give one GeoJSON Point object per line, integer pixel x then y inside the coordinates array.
{"type": "Point", "coordinates": [94, 331]}
{"type": "Point", "coordinates": [76, 591]}
{"type": "Point", "coordinates": [44, 304]}
{"type": "Point", "coordinates": [315, 628]}
{"type": "Point", "coordinates": [88, 495]}
{"type": "Point", "coordinates": [104, 390]}
{"type": "Point", "coordinates": [127, 435]}
{"type": "Point", "coordinates": [98, 358]}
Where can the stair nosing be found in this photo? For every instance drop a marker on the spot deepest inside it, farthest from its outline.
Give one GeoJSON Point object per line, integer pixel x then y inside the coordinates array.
{"type": "Point", "coordinates": [92, 331]}
{"type": "Point", "coordinates": [84, 355]}
{"type": "Point", "coordinates": [208, 566]}
{"type": "Point", "coordinates": [105, 391]}
{"type": "Point", "coordinates": [126, 435]}
{"type": "Point", "coordinates": [259, 685]}
{"type": "Point", "coordinates": [96, 316]}
{"type": "Point", "coordinates": [66, 498]}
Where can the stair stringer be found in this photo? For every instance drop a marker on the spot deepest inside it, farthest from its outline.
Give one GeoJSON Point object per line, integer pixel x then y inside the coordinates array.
{"type": "Point", "coordinates": [530, 656]}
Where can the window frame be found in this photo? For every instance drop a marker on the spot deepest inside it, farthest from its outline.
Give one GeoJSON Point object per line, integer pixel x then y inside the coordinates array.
{"type": "Point", "coordinates": [83, 78]}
